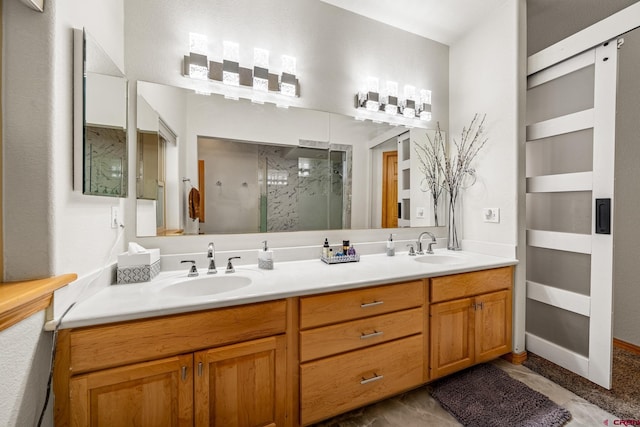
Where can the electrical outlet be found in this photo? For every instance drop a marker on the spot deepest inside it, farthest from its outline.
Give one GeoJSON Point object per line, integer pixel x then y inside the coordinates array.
{"type": "Point", "coordinates": [491, 214]}
{"type": "Point", "coordinates": [115, 216]}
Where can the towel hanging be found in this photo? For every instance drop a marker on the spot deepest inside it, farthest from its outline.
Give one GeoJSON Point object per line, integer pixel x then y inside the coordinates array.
{"type": "Point", "coordinates": [194, 204]}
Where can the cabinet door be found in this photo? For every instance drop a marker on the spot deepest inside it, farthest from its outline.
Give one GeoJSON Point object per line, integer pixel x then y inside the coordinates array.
{"type": "Point", "coordinates": [493, 325]}
{"type": "Point", "coordinates": [242, 385]}
{"type": "Point", "coordinates": [452, 336]}
{"type": "Point", "coordinates": [158, 393]}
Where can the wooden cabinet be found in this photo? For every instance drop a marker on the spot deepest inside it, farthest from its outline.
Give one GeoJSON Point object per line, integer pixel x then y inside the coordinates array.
{"type": "Point", "coordinates": [472, 323]}
{"type": "Point", "coordinates": [127, 378]}
{"type": "Point", "coordinates": [241, 385]}
{"type": "Point", "coordinates": [281, 363]}
{"type": "Point", "coordinates": [357, 347]}
{"type": "Point", "coordinates": [142, 394]}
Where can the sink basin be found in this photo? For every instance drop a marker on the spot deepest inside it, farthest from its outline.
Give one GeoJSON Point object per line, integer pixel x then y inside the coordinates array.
{"type": "Point", "coordinates": [206, 285]}
{"type": "Point", "coordinates": [440, 259]}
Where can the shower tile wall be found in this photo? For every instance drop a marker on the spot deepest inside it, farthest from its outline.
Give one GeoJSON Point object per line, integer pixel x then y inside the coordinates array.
{"type": "Point", "coordinates": [281, 188]}
{"type": "Point", "coordinates": [104, 160]}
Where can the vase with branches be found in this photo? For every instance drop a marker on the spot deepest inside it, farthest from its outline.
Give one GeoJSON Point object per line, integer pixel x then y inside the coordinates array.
{"type": "Point", "coordinates": [454, 168]}
{"type": "Point", "coordinates": [429, 157]}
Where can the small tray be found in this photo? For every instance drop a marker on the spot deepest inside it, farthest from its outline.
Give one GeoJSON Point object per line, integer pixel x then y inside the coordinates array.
{"type": "Point", "coordinates": [340, 259]}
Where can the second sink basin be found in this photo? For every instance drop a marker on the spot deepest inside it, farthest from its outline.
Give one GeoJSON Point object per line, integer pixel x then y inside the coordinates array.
{"type": "Point", "coordinates": [206, 285]}
{"type": "Point", "coordinates": [440, 259]}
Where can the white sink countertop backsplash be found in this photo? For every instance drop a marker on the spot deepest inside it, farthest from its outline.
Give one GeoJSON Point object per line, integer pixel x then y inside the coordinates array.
{"type": "Point", "coordinates": [295, 278]}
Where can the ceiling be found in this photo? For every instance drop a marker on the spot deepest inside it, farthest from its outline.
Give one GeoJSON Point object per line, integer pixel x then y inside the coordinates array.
{"type": "Point", "coordinates": [444, 21]}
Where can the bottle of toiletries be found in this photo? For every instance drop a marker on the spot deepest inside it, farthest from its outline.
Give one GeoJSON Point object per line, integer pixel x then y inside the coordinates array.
{"type": "Point", "coordinates": [391, 247]}
{"type": "Point", "coordinates": [345, 247]}
{"type": "Point", "coordinates": [265, 257]}
{"type": "Point", "coordinates": [352, 251]}
{"type": "Point", "coordinates": [325, 248]}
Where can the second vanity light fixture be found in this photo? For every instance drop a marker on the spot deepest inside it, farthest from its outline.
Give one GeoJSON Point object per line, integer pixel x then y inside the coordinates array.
{"type": "Point", "coordinates": [413, 109]}
{"type": "Point", "coordinates": [254, 83]}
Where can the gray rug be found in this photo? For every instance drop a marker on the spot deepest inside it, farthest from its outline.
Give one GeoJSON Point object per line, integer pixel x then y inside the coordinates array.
{"type": "Point", "coordinates": [623, 400]}
{"type": "Point", "coordinates": [486, 396]}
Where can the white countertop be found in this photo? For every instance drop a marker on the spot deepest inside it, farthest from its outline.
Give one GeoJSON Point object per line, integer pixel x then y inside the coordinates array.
{"type": "Point", "coordinates": [288, 279]}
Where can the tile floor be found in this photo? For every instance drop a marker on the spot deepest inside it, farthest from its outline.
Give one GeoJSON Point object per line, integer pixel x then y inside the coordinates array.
{"type": "Point", "coordinates": [417, 408]}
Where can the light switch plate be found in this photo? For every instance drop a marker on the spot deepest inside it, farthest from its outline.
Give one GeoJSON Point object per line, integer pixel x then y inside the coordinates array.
{"type": "Point", "coordinates": [419, 212]}
{"type": "Point", "coordinates": [491, 215]}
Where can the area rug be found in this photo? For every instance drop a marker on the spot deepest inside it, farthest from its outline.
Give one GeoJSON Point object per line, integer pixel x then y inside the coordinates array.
{"type": "Point", "coordinates": [623, 400]}
{"type": "Point", "coordinates": [485, 395]}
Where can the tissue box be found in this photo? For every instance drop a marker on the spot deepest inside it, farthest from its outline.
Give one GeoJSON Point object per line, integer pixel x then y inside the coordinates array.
{"type": "Point", "coordinates": [140, 267]}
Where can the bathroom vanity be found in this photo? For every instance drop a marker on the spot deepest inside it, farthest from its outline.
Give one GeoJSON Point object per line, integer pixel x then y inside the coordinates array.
{"type": "Point", "coordinates": [289, 352]}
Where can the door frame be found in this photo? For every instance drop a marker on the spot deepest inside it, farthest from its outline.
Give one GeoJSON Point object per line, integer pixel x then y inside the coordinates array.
{"type": "Point", "coordinates": [385, 187]}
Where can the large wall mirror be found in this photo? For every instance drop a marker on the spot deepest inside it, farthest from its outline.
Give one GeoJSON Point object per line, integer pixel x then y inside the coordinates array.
{"type": "Point", "coordinates": [210, 165]}
{"type": "Point", "coordinates": [100, 116]}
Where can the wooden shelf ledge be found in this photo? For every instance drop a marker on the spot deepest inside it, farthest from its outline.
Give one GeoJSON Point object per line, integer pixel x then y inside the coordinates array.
{"type": "Point", "coordinates": [19, 300]}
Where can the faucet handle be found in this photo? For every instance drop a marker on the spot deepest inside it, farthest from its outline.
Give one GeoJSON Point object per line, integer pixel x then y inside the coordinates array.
{"type": "Point", "coordinates": [212, 266]}
{"type": "Point", "coordinates": [429, 247]}
{"type": "Point", "coordinates": [412, 251]}
{"type": "Point", "coordinates": [193, 270]}
{"type": "Point", "coordinates": [230, 268]}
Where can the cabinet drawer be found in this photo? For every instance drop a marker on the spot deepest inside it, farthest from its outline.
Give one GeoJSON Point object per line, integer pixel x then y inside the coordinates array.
{"type": "Point", "coordinates": [469, 284]}
{"type": "Point", "coordinates": [334, 339]}
{"type": "Point", "coordinates": [338, 307]}
{"type": "Point", "coordinates": [337, 384]}
{"type": "Point", "coordinates": [100, 347]}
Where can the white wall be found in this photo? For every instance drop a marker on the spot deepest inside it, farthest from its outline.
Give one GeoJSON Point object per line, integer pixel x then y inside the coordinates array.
{"type": "Point", "coordinates": [48, 228]}
{"type": "Point", "coordinates": [492, 83]}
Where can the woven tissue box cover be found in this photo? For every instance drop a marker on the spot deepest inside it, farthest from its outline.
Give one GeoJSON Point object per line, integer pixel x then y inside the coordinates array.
{"type": "Point", "coordinates": [137, 273]}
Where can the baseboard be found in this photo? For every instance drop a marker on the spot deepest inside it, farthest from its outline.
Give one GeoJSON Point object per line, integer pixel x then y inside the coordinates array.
{"type": "Point", "coordinates": [626, 346]}
{"type": "Point", "coordinates": [515, 358]}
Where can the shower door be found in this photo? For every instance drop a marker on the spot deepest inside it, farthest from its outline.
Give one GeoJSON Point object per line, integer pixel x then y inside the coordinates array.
{"type": "Point", "coordinates": [570, 176]}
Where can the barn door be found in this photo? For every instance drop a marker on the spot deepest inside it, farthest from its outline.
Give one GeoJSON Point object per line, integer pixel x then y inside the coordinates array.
{"type": "Point", "coordinates": [570, 176]}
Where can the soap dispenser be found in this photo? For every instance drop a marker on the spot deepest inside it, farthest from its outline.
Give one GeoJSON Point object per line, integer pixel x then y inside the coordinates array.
{"type": "Point", "coordinates": [391, 247]}
{"type": "Point", "coordinates": [265, 257]}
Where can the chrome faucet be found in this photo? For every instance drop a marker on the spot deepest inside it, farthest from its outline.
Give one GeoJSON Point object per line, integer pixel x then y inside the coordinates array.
{"type": "Point", "coordinates": [230, 268]}
{"type": "Point", "coordinates": [193, 270]}
{"type": "Point", "coordinates": [211, 254]}
{"type": "Point", "coordinates": [429, 245]}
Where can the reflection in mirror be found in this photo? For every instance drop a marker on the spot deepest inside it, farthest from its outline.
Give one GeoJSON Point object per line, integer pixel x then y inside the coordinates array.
{"type": "Point", "coordinates": [100, 120]}
{"type": "Point", "coordinates": [259, 168]}
{"type": "Point", "coordinates": [266, 188]}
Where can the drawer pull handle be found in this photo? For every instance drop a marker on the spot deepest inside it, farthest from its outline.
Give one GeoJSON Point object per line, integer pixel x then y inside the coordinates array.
{"type": "Point", "coordinates": [184, 373]}
{"type": "Point", "coordinates": [199, 369]}
{"type": "Point", "coordinates": [375, 377]}
{"type": "Point", "coordinates": [371, 304]}
{"type": "Point", "coordinates": [371, 335]}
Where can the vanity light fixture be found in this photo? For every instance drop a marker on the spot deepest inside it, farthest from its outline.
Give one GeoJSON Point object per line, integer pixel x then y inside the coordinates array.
{"type": "Point", "coordinates": [260, 69]}
{"type": "Point", "coordinates": [288, 80]}
{"type": "Point", "coordinates": [409, 107]}
{"type": "Point", "coordinates": [256, 83]}
{"type": "Point", "coordinates": [369, 97]}
{"type": "Point", "coordinates": [230, 63]}
{"type": "Point", "coordinates": [390, 99]}
{"type": "Point", "coordinates": [425, 105]}
{"type": "Point", "coordinates": [413, 109]}
{"type": "Point", "coordinates": [198, 62]}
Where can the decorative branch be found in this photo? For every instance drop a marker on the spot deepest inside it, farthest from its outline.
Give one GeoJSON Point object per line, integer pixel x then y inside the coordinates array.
{"type": "Point", "coordinates": [449, 170]}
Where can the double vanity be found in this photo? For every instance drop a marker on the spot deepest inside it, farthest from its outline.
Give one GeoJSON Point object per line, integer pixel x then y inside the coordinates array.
{"type": "Point", "coordinates": [290, 346]}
